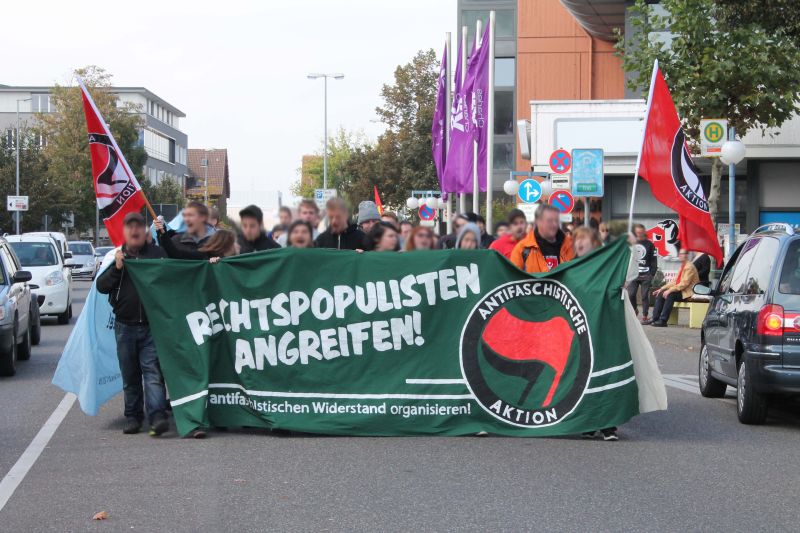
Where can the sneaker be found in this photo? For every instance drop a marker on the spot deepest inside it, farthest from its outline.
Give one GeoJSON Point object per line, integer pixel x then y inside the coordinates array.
{"type": "Point", "coordinates": [659, 324]}
{"type": "Point", "coordinates": [132, 426]}
{"type": "Point", "coordinates": [647, 321]}
{"type": "Point", "coordinates": [609, 434]}
{"type": "Point", "coordinates": [196, 433]}
{"type": "Point", "coordinates": [589, 434]}
{"type": "Point", "coordinates": [159, 426]}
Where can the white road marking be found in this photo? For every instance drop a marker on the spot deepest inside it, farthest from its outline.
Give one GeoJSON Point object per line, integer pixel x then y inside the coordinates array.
{"type": "Point", "coordinates": [20, 469]}
{"type": "Point", "coordinates": [688, 383]}
{"type": "Point", "coordinates": [421, 381]}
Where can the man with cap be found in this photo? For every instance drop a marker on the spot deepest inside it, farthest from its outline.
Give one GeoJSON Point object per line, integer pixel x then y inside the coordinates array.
{"type": "Point", "coordinates": [368, 215]}
{"type": "Point", "coordinates": [517, 227]}
{"type": "Point", "coordinates": [252, 237]}
{"type": "Point", "coordinates": [142, 382]}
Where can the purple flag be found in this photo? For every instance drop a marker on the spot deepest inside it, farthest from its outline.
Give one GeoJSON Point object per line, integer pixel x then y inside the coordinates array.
{"type": "Point", "coordinates": [458, 164]}
{"type": "Point", "coordinates": [438, 144]}
{"type": "Point", "coordinates": [477, 81]}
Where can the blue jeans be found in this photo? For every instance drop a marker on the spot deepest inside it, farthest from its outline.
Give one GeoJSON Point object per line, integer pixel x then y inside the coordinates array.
{"type": "Point", "coordinates": [139, 365]}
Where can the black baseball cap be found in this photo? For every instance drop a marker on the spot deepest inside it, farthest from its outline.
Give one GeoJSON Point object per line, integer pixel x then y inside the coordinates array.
{"type": "Point", "coordinates": [252, 211]}
{"type": "Point", "coordinates": [133, 217]}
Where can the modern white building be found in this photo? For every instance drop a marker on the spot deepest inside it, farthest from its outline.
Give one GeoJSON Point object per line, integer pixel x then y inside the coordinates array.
{"type": "Point", "coordinates": [161, 136]}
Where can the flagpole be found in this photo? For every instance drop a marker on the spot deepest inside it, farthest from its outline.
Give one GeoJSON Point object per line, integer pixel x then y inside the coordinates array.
{"type": "Point", "coordinates": [462, 200]}
{"type": "Point", "coordinates": [490, 129]}
{"type": "Point", "coordinates": [476, 191]}
{"type": "Point", "coordinates": [448, 105]}
{"type": "Point", "coordinates": [641, 145]}
{"type": "Point", "coordinates": [122, 160]}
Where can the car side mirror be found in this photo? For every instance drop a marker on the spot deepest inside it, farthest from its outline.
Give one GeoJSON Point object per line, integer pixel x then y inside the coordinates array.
{"type": "Point", "coordinates": [32, 286]}
{"type": "Point", "coordinates": [22, 276]}
{"type": "Point", "coordinates": [727, 298]}
{"type": "Point", "coordinates": [67, 255]}
{"type": "Point", "coordinates": [98, 254]}
{"type": "Point", "coordinates": [702, 290]}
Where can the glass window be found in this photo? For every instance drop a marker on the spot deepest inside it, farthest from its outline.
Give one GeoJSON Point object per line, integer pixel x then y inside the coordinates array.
{"type": "Point", "coordinates": [504, 72]}
{"type": "Point", "coordinates": [35, 254]}
{"type": "Point", "coordinates": [505, 25]}
{"type": "Point", "coordinates": [738, 280]}
{"type": "Point", "coordinates": [503, 156]}
{"type": "Point", "coordinates": [790, 271]}
{"type": "Point", "coordinates": [761, 269]}
{"type": "Point", "coordinates": [80, 248]}
{"type": "Point", "coordinates": [504, 112]}
{"type": "Point", "coordinates": [11, 267]}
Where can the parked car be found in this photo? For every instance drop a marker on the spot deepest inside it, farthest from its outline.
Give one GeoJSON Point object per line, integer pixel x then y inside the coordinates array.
{"type": "Point", "coordinates": [61, 242]}
{"type": "Point", "coordinates": [84, 262]}
{"type": "Point", "coordinates": [751, 333]}
{"type": "Point", "coordinates": [19, 320]}
{"type": "Point", "coordinates": [39, 255]}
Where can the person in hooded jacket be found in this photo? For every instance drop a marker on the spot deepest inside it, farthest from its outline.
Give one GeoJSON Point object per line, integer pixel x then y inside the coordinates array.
{"type": "Point", "coordinates": [341, 234]}
{"type": "Point", "coordinates": [469, 237]}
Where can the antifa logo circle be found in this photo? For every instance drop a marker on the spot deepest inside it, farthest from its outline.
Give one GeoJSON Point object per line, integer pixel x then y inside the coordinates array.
{"type": "Point", "coordinates": [685, 174]}
{"type": "Point", "coordinates": [529, 372]}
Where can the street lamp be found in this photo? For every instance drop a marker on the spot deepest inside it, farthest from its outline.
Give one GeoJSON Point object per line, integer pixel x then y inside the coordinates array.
{"type": "Point", "coordinates": [733, 151]}
{"type": "Point", "coordinates": [16, 145]}
{"type": "Point", "coordinates": [325, 77]}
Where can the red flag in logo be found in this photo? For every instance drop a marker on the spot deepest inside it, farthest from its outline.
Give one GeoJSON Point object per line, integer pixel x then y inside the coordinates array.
{"type": "Point", "coordinates": [378, 200]}
{"type": "Point", "coordinates": [117, 191]}
{"type": "Point", "coordinates": [665, 163]}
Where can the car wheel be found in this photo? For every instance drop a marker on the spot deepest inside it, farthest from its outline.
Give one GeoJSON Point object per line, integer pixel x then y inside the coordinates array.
{"type": "Point", "coordinates": [69, 308]}
{"type": "Point", "coordinates": [750, 406]}
{"type": "Point", "coordinates": [710, 387]}
{"type": "Point", "coordinates": [8, 361]}
{"type": "Point", "coordinates": [24, 348]}
{"type": "Point", "coordinates": [63, 318]}
{"type": "Point", "coordinates": [36, 331]}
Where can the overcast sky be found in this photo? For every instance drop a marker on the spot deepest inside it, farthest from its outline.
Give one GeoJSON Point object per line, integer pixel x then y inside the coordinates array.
{"type": "Point", "coordinates": [236, 68]}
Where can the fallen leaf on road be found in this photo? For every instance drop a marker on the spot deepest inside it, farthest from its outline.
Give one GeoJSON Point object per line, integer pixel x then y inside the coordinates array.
{"type": "Point", "coordinates": [102, 515]}
{"type": "Point", "coordinates": [240, 481]}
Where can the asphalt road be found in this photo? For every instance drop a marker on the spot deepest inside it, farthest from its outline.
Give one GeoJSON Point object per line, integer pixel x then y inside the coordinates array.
{"type": "Point", "coordinates": [693, 467]}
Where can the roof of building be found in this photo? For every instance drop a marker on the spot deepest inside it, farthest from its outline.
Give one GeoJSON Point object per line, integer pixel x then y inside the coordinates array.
{"type": "Point", "coordinates": [118, 90]}
{"type": "Point", "coordinates": [598, 17]}
{"type": "Point", "coordinates": [218, 174]}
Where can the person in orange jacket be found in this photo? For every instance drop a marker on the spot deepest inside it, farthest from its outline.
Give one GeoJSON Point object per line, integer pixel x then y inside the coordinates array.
{"type": "Point", "coordinates": [546, 246]}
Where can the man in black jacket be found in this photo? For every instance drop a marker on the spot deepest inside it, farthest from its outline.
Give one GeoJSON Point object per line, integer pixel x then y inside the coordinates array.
{"type": "Point", "coordinates": [135, 348]}
{"type": "Point", "coordinates": [340, 233]}
{"type": "Point", "coordinates": [253, 238]}
{"type": "Point", "coordinates": [647, 263]}
{"type": "Point", "coordinates": [198, 230]}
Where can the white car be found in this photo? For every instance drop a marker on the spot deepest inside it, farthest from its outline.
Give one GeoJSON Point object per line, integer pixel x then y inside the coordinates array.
{"type": "Point", "coordinates": [40, 256]}
{"type": "Point", "coordinates": [61, 241]}
{"type": "Point", "coordinates": [84, 262]}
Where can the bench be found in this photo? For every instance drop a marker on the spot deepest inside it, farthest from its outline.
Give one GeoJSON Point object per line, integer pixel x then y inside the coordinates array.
{"type": "Point", "coordinates": [690, 312]}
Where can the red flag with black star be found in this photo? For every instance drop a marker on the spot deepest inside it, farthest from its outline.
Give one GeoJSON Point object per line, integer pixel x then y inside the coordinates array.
{"type": "Point", "coordinates": [116, 188]}
{"type": "Point", "coordinates": [665, 163]}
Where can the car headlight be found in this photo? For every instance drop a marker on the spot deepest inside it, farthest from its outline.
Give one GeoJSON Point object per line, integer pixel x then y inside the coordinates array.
{"type": "Point", "coordinates": [90, 263]}
{"type": "Point", "coordinates": [2, 312]}
{"type": "Point", "coordinates": [54, 278]}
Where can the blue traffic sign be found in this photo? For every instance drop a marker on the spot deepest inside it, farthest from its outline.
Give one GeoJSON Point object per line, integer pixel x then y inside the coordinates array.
{"type": "Point", "coordinates": [427, 213]}
{"type": "Point", "coordinates": [530, 191]}
{"type": "Point", "coordinates": [563, 201]}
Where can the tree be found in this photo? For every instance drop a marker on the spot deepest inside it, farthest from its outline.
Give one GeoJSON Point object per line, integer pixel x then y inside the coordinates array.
{"type": "Point", "coordinates": [67, 147]}
{"type": "Point", "coordinates": [167, 191]}
{"type": "Point", "coordinates": [45, 195]}
{"type": "Point", "coordinates": [341, 146]}
{"type": "Point", "coordinates": [742, 72]}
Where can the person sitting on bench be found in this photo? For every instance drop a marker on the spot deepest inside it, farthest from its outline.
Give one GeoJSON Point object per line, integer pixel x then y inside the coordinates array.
{"type": "Point", "coordinates": [675, 291]}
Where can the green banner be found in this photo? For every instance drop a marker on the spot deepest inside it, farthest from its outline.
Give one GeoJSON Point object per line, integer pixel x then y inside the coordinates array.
{"type": "Point", "coordinates": [448, 342]}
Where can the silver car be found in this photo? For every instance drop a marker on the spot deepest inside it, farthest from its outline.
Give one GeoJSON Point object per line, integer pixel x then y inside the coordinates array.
{"type": "Point", "coordinates": [84, 262]}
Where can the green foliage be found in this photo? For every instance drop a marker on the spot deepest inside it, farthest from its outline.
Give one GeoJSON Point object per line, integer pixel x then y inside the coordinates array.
{"type": "Point", "coordinates": [718, 64]}
{"type": "Point", "coordinates": [67, 151]}
{"type": "Point", "coordinates": [772, 15]}
{"type": "Point", "coordinates": [45, 194]}
{"type": "Point", "coordinates": [341, 147]}
{"type": "Point", "coordinates": [167, 191]}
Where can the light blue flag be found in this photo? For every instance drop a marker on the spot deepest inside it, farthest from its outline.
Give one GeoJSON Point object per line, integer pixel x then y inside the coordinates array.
{"type": "Point", "coordinates": [174, 224]}
{"type": "Point", "coordinates": [88, 366]}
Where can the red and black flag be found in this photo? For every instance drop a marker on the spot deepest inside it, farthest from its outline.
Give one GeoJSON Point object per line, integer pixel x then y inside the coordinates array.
{"type": "Point", "coordinates": [116, 188]}
{"type": "Point", "coordinates": [665, 163]}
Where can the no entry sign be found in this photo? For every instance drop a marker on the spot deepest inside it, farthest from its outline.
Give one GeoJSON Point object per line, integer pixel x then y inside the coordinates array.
{"type": "Point", "coordinates": [426, 213]}
{"type": "Point", "coordinates": [563, 201]}
{"type": "Point", "coordinates": [560, 161]}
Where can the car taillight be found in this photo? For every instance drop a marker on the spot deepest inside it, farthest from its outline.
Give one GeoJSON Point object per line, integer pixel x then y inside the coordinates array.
{"type": "Point", "coordinates": [770, 320]}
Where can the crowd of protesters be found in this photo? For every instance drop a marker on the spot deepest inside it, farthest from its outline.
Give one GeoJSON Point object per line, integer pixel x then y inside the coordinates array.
{"type": "Point", "coordinates": [535, 247]}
